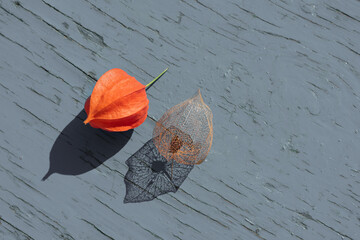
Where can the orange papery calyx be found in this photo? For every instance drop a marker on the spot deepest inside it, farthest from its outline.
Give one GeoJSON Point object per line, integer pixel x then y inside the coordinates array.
{"type": "Point", "coordinates": [118, 102]}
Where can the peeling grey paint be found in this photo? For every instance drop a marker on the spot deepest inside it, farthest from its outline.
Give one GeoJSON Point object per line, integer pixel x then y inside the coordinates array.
{"type": "Point", "coordinates": [281, 78]}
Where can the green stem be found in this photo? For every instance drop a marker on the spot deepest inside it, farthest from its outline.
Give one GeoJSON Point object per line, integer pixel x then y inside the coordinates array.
{"type": "Point", "coordinates": [153, 81]}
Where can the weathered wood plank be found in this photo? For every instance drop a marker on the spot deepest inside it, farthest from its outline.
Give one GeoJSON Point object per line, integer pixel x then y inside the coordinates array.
{"type": "Point", "coordinates": [280, 76]}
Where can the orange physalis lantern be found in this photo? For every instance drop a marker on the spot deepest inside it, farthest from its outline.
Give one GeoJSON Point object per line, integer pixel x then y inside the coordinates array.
{"type": "Point", "coordinates": [118, 102]}
{"type": "Point", "coordinates": [185, 132]}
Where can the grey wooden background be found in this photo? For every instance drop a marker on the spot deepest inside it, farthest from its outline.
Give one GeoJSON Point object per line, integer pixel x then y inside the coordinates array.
{"type": "Point", "coordinates": [281, 77]}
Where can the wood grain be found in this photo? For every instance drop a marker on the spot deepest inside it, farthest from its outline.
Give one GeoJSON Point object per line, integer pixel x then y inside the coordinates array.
{"type": "Point", "coordinates": [281, 78]}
